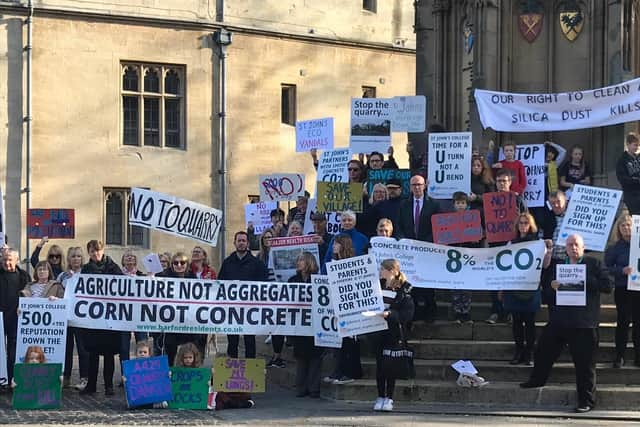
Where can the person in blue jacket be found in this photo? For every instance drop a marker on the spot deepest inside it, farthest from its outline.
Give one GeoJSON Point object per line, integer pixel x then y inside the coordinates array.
{"type": "Point", "coordinates": [359, 240]}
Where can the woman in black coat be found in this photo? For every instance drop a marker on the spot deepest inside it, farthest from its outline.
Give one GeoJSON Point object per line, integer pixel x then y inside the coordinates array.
{"type": "Point", "coordinates": [398, 315]}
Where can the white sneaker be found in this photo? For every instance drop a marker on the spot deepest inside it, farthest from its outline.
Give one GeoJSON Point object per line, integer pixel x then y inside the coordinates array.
{"type": "Point", "coordinates": [82, 384]}
{"type": "Point", "coordinates": [378, 405]}
{"type": "Point", "coordinates": [387, 406]}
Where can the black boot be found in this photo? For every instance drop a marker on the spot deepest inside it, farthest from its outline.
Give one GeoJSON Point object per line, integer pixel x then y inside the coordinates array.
{"type": "Point", "coordinates": [516, 356]}
{"type": "Point", "coordinates": [618, 362]}
{"type": "Point", "coordinates": [525, 358]}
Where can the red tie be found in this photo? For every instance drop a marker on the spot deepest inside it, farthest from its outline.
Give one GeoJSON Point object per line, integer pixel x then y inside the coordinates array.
{"type": "Point", "coordinates": [416, 217]}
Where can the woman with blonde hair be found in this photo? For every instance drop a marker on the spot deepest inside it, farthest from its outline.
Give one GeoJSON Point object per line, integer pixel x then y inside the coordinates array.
{"type": "Point", "coordinates": [55, 256]}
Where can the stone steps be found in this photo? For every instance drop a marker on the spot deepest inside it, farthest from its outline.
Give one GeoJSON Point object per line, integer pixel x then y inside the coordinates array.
{"type": "Point", "coordinates": [482, 310]}
{"type": "Point", "coordinates": [443, 296]}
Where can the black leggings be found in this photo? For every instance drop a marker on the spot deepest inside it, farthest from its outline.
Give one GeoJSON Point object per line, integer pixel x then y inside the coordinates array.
{"type": "Point", "coordinates": [107, 370]}
{"type": "Point", "coordinates": [524, 330]}
{"type": "Point", "coordinates": [385, 385]}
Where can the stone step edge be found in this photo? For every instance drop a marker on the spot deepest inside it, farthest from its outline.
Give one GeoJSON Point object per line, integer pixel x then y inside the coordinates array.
{"type": "Point", "coordinates": [618, 388]}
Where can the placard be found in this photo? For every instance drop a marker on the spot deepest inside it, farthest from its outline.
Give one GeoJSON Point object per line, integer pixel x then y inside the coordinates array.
{"type": "Point", "coordinates": [456, 227]}
{"type": "Point", "coordinates": [355, 289]}
{"type": "Point", "coordinates": [190, 388]}
{"type": "Point", "coordinates": [239, 375]}
{"type": "Point", "coordinates": [633, 280]}
{"type": "Point", "coordinates": [158, 211]}
{"type": "Point", "coordinates": [332, 166]}
{"type": "Point", "coordinates": [533, 159]}
{"type": "Point", "coordinates": [146, 380]}
{"type": "Point", "coordinates": [281, 187]}
{"type": "Point", "coordinates": [333, 219]}
{"type": "Point", "coordinates": [408, 113]}
{"type": "Point", "coordinates": [590, 213]}
{"type": "Point", "coordinates": [53, 223]}
{"type": "Point", "coordinates": [314, 134]}
{"type": "Point", "coordinates": [573, 281]}
{"type": "Point", "coordinates": [375, 176]}
{"type": "Point", "coordinates": [339, 196]}
{"type": "Point", "coordinates": [152, 264]}
{"type": "Point", "coordinates": [428, 265]}
{"type": "Point", "coordinates": [259, 214]}
{"type": "Point", "coordinates": [370, 125]}
{"type": "Point", "coordinates": [324, 320]}
{"type": "Point", "coordinates": [449, 164]}
{"type": "Point", "coordinates": [37, 386]}
{"type": "Point", "coordinates": [285, 252]}
{"type": "Point", "coordinates": [500, 213]}
{"type": "Point", "coordinates": [43, 323]}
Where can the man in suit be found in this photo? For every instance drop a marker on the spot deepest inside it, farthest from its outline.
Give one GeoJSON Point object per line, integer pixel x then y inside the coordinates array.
{"type": "Point", "coordinates": [414, 222]}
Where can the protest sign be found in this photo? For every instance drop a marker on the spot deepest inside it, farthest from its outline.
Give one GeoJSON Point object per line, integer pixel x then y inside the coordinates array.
{"type": "Point", "coordinates": [500, 213]}
{"type": "Point", "coordinates": [146, 380]}
{"type": "Point", "coordinates": [166, 304]}
{"type": "Point", "coordinates": [633, 281]}
{"type": "Point", "coordinates": [339, 196]}
{"type": "Point", "coordinates": [152, 263]}
{"type": "Point", "coordinates": [43, 323]}
{"type": "Point", "coordinates": [286, 250]}
{"type": "Point", "coordinates": [37, 386]}
{"type": "Point", "coordinates": [314, 134]}
{"type": "Point", "coordinates": [281, 187]}
{"type": "Point", "coordinates": [545, 112]}
{"type": "Point", "coordinates": [590, 213]}
{"type": "Point", "coordinates": [375, 176]}
{"type": "Point", "coordinates": [53, 223]}
{"type": "Point", "coordinates": [259, 215]}
{"type": "Point", "coordinates": [173, 215]}
{"type": "Point", "coordinates": [355, 289]}
{"type": "Point", "coordinates": [4, 377]}
{"type": "Point", "coordinates": [572, 279]}
{"type": "Point", "coordinates": [324, 320]}
{"type": "Point", "coordinates": [333, 219]}
{"type": "Point", "coordinates": [449, 164]}
{"type": "Point", "coordinates": [190, 387]}
{"type": "Point", "coordinates": [239, 375]}
{"type": "Point", "coordinates": [370, 125]}
{"type": "Point", "coordinates": [533, 159]}
{"type": "Point", "coordinates": [456, 227]}
{"type": "Point", "coordinates": [408, 113]}
{"type": "Point", "coordinates": [429, 265]}
{"type": "Point", "coordinates": [332, 166]}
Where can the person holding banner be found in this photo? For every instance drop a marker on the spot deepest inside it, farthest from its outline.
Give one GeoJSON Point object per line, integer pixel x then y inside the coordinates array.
{"type": "Point", "coordinates": [518, 176]}
{"type": "Point", "coordinates": [295, 229]}
{"type": "Point", "coordinates": [55, 256]}
{"type": "Point", "coordinates": [628, 173]}
{"type": "Point", "coordinates": [359, 240]}
{"type": "Point", "coordinates": [322, 237]}
{"type": "Point", "coordinates": [44, 284]}
{"type": "Point", "coordinates": [616, 258]}
{"type": "Point", "coordinates": [572, 325]}
{"type": "Point", "coordinates": [481, 182]}
{"type": "Point", "coordinates": [398, 316]}
{"type": "Point", "coordinates": [357, 172]}
{"type": "Point", "coordinates": [552, 221]}
{"type": "Point", "coordinates": [200, 264]}
{"type": "Point", "coordinates": [384, 228]}
{"type": "Point", "coordinates": [575, 170]}
{"type": "Point", "coordinates": [298, 212]}
{"type": "Point", "coordinates": [369, 217]}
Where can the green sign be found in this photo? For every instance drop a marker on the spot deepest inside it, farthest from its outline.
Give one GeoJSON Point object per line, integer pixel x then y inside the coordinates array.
{"type": "Point", "coordinates": [190, 387]}
{"type": "Point", "coordinates": [339, 196]}
{"type": "Point", "coordinates": [37, 386]}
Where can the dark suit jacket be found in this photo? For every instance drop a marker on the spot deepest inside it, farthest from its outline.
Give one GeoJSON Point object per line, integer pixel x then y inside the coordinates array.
{"type": "Point", "coordinates": [404, 229]}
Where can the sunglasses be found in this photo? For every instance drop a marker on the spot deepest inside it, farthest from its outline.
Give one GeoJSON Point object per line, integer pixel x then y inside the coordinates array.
{"type": "Point", "coordinates": [179, 262]}
{"type": "Point", "coordinates": [353, 169]}
{"type": "Point", "coordinates": [55, 256]}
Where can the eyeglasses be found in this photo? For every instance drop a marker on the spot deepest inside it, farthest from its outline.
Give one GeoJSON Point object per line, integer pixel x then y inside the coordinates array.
{"type": "Point", "coordinates": [503, 180]}
{"type": "Point", "coordinates": [179, 262]}
{"type": "Point", "coordinates": [55, 256]}
{"type": "Point", "coordinates": [353, 169]}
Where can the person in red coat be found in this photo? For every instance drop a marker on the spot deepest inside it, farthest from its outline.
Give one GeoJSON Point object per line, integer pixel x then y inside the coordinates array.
{"type": "Point", "coordinates": [519, 181]}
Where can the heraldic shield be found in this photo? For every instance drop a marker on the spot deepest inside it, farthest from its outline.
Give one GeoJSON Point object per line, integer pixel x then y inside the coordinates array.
{"type": "Point", "coordinates": [571, 24]}
{"type": "Point", "coordinates": [530, 25]}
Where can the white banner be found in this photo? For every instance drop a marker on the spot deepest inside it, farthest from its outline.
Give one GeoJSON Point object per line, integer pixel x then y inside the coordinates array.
{"type": "Point", "coordinates": [370, 125]}
{"type": "Point", "coordinates": [356, 294]}
{"type": "Point", "coordinates": [333, 219]}
{"type": "Point", "coordinates": [544, 112]}
{"type": "Point", "coordinates": [150, 209]}
{"type": "Point", "coordinates": [332, 166]}
{"type": "Point", "coordinates": [428, 265]}
{"type": "Point", "coordinates": [591, 213]}
{"type": "Point", "coordinates": [323, 318]}
{"type": "Point", "coordinates": [286, 250]}
{"type": "Point", "coordinates": [408, 113]}
{"type": "Point", "coordinates": [4, 376]}
{"type": "Point", "coordinates": [532, 157]}
{"type": "Point", "coordinates": [43, 323]}
{"type": "Point", "coordinates": [633, 281]}
{"type": "Point", "coordinates": [281, 187]}
{"type": "Point", "coordinates": [259, 214]}
{"type": "Point", "coordinates": [573, 284]}
{"type": "Point", "coordinates": [449, 164]}
{"type": "Point", "coordinates": [189, 306]}
{"type": "Point", "coordinates": [314, 134]}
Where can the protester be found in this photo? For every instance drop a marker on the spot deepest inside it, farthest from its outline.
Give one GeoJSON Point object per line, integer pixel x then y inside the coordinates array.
{"type": "Point", "coordinates": [368, 219]}
{"type": "Point", "coordinates": [278, 227]}
{"type": "Point", "coordinates": [295, 229]}
{"type": "Point", "coordinates": [481, 182]}
{"type": "Point", "coordinates": [518, 176]}
{"type": "Point", "coordinates": [55, 256]}
{"type": "Point", "coordinates": [390, 163]}
{"type": "Point", "coordinates": [552, 222]}
{"type": "Point", "coordinates": [398, 316]}
{"type": "Point", "coordinates": [33, 355]}
{"type": "Point", "coordinates": [188, 356]}
{"type": "Point", "coordinates": [575, 326]}
{"type": "Point", "coordinates": [322, 237]}
{"type": "Point", "coordinates": [356, 171]}
{"type": "Point", "coordinates": [200, 264]}
{"type": "Point", "coordinates": [44, 284]}
{"type": "Point", "coordinates": [390, 208]}
{"type": "Point", "coordinates": [241, 265]}
{"type": "Point", "coordinates": [75, 260]}
{"type": "Point", "coordinates": [298, 212]}
{"type": "Point", "coordinates": [575, 170]}
{"type": "Point", "coordinates": [165, 260]}
{"type": "Point", "coordinates": [628, 173]}
{"type": "Point", "coordinates": [143, 351]}
{"type": "Point", "coordinates": [375, 161]}
{"type": "Point", "coordinates": [616, 258]}
{"type": "Point", "coordinates": [265, 252]}
{"type": "Point", "coordinates": [460, 298]}
{"type": "Point", "coordinates": [359, 240]}
{"type": "Point", "coordinates": [277, 341]}
{"type": "Point", "coordinates": [100, 342]}
{"type": "Point", "coordinates": [384, 228]}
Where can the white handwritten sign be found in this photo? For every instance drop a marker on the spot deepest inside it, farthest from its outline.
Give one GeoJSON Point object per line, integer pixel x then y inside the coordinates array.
{"type": "Point", "coordinates": [314, 134]}
{"type": "Point", "coordinates": [408, 113]}
{"type": "Point", "coordinates": [281, 186]}
{"type": "Point", "coordinates": [532, 157]}
{"type": "Point", "coordinates": [449, 164]}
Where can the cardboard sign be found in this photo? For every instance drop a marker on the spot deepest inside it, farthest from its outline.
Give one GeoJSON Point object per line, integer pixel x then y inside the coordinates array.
{"type": "Point", "coordinates": [324, 320]}
{"type": "Point", "coordinates": [384, 175]}
{"type": "Point", "coordinates": [500, 213]}
{"type": "Point", "coordinates": [43, 323]}
{"type": "Point", "coordinates": [456, 227]}
{"type": "Point", "coordinates": [370, 125]}
{"type": "Point", "coordinates": [147, 380]}
{"type": "Point", "coordinates": [332, 165]}
{"type": "Point", "coordinates": [339, 196]}
{"type": "Point", "coordinates": [190, 388]}
{"type": "Point", "coordinates": [4, 376]}
{"type": "Point", "coordinates": [239, 375]}
{"type": "Point", "coordinates": [449, 164]}
{"type": "Point", "coordinates": [316, 134]}
{"type": "Point", "coordinates": [533, 159]}
{"type": "Point", "coordinates": [281, 187]}
{"type": "Point", "coordinates": [54, 223]}
{"type": "Point", "coordinates": [285, 252]}
{"type": "Point", "coordinates": [573, 284]}
{"type": "Point", "coordinates": [633, 281]}
{"type": "Point", "coordinates": [259, 214]}
{"type": "Point", "coordinates": [333, 219]}
{"type": "Point", "coordinates": [408, 113]}
{"type": "Point", "coordinates": [37, 386]}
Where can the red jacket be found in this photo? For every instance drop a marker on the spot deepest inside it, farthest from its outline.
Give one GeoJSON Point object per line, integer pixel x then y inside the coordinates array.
{"type": "Point", "coordinates": [519, 178]}
{"type": "Point", "coordinates": [207, 272]}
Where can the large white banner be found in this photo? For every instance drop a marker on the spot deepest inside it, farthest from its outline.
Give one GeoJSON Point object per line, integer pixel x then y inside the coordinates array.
{"type": "Point", "coordinates": [189, 306]}
{"type": "Point", "coordinates": [43, 323]}
{"type": "Point", "coordinates": [370, 125]}
{"type": "Point", "coordinates": [356, 294]}
{"type": "Point", "coordinates": [150, 209]}
{"type": "Point", "coordinates": [428, 265]}
{"type": "Point", "coordinates": [324, 320]}
{"type": "Point", "coordinates": [591, 213]}
{"type": "Point", "coordinates": [533, 159]}
{"type": "Point", "coordinates": [633, 281]}
{"type": "Point", "coordinates": [286, 250]}
{"type": "Point", "coordinates": [449, 164]}
{"type": "Point", "coordinates": [544, 112]}
{"type": "Point", "coordinates": [4, 376]}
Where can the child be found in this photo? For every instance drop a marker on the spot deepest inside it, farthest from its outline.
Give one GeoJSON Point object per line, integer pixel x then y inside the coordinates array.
{"type": "Point", "coordinates": [574, 171]}
{"type": "Point", "coordinates": [143, 351]}
{"type": "Point", "coordinates": [519, 179]}
{"type": "Point", "coordinates": [188, 356]}
{"type": "Point", "coordinates": [34, 354]}
{"type": "Point", "coordinates": [628, 173]}
{"type": "Point", "coordinates": [461, 299]}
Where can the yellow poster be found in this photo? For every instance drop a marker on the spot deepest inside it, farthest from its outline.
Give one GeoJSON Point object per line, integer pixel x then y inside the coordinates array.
{"type": "Point", "coordinates": [239, 375]}
{"type": "Point", "coordinates": [339, 196]}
